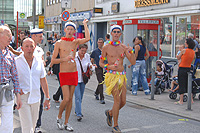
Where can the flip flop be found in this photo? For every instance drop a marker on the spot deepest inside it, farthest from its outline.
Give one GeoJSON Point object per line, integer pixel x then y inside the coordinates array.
{"type": "Point", "coordinates": [177, 103]}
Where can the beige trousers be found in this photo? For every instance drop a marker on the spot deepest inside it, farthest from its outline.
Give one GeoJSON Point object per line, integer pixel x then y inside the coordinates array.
{"type": "Point", "coordinates": [28, 114]}
{"type": "Point", "coordinates": [6, 125]}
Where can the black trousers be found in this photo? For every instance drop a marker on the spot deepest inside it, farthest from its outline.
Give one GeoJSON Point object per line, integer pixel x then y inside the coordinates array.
{"type": "Point", "coordinates": [100, 78]}
{"type": "Point", "coordinates": [58, 93]}
{"type": "Point", "coordinates": [183, 79]}
{"type": "Point", "coordinates": [38, 124]}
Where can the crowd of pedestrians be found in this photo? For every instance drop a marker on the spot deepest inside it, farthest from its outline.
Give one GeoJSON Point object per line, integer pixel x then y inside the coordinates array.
{"type": "Point", "coordinates": [27, 74]}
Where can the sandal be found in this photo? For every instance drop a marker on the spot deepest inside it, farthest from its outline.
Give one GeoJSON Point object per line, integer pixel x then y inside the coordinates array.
{"type": "Point", "coordinates": [178, 103]}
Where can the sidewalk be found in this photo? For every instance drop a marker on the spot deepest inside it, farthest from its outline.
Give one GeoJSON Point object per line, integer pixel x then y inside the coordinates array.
{"type": "Point", "coordinates": [162, 102]}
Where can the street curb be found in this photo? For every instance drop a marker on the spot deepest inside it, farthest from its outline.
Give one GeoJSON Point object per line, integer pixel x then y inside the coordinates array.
{"type": "Point", "coordinates": [151, 107]}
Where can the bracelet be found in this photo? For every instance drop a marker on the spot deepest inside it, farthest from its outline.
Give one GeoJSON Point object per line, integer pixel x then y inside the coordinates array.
{"type": "Point", "coordinates": [48, 99]}
{"type": "Point", "coordinates": [49, 68]}
{"type": "Point", "coordinates": [106, 65]}
{"type": "Point", "coordinates": [103, 58]}
{"type": "Point", "coordinates": [133, 50]}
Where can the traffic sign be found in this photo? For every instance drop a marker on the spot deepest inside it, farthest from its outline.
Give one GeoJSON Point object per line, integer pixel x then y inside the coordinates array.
{"type": "Point", "coordinates": [22, 17]}
{"type": "Point", "coordinates": [65, 15]}
{"type": "Point", "coordinates": [2, 22]}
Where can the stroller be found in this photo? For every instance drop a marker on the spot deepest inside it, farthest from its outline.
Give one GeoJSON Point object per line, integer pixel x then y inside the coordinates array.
{"type": "Point", "coordinates": [164, 81]}
{"type": "Point", "coordinates": [195, 85]}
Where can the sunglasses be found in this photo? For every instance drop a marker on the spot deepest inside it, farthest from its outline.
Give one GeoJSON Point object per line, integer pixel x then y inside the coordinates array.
{"type": "Point", "coordinates": [116, 31]}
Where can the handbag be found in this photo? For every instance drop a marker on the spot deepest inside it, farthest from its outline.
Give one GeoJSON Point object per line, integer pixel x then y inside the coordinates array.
{"type": "Point", "coordinates": [86, 75]}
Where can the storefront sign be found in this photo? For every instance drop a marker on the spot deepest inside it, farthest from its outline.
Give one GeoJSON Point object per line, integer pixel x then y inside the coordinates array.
{"type": "Point", "coordinates": [41, 22]}
{"type": "Point", "coordinates": [80, 16]}
{"type": "Point", "coordinates": [142, 3]}
{"type": "Point", "coordinates": [55, 19]}
{"type": "Point", "coordinates": [115, 7]}
{"type": "Point", "coordinates": [148, 22]}
{"type": "Point", "coordinates": [98, 10]}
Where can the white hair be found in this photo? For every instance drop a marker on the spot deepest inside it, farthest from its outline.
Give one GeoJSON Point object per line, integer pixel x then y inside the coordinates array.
{"type": "Point", "coordinates": [190, 35]}
{"type": "Point", "coordinates": [3, 28]}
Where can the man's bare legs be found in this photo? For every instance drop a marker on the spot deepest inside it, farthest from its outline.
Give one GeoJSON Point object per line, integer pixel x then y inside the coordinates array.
{"type": "Point", "coordinates": [66, 103]}
{"type": "Point", "coordinates": [68, 108]}
{"type": "Point", "coordinates": [119, 102]}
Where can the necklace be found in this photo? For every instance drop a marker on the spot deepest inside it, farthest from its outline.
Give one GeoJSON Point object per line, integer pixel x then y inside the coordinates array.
{"type": "Point", "coordinates": [67, 39]}
{"type": "Point", "coordinates": [114, 43]}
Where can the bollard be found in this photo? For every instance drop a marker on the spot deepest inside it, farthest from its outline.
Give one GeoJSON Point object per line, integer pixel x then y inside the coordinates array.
{"type": "Point", "coordinates": [152, 83]}
{"type": "Point", "coordinates": [189, 91]}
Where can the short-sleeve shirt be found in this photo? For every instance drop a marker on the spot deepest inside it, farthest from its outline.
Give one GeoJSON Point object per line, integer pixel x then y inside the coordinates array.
{"type": "Point", "coordinates": [38, 52]}
{"type": "Point", "coordinates": [29, 79]}
{"type": "Point", "coordinates": [95, 55]}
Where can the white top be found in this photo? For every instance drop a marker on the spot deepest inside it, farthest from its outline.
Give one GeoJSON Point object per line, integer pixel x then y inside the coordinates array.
{"type": "Point", "coordinates": [38, 52]}
{"type": "Point", "coordinates": [160, 73]}
{"type": "Point", "coordinates": [85, 62]}
{"type": "Point", "coordinates": [29, 79]}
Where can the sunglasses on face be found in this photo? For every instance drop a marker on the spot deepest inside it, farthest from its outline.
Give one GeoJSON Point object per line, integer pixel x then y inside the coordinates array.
{"type": "Point", "coordinates": [116, 31]}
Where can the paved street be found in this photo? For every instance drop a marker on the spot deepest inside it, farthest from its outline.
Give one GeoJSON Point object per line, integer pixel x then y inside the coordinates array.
{"type": "Point", "coordinates": [133, 118]}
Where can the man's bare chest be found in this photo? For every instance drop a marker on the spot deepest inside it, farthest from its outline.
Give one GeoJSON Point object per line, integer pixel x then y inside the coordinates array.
{"type": "Point", "coordinates": [115, 51]}
{"type": "Point", "coordinates": [66, 48]}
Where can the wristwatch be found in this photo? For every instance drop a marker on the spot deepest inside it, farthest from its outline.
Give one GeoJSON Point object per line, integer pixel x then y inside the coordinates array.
{"type": "Point", "coordinates": [48, 99]}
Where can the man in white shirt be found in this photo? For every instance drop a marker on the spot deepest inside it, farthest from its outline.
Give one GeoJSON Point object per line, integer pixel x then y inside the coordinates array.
{"type": "Point", "coordinates": [37, 36]}
{"type": "Point", "coordinates": [31, 74]}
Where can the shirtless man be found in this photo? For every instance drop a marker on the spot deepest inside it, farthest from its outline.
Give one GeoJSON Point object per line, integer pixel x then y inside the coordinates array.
{"type": "Point", "coordinates": [66, 48]}
{"type": "Point", "coordinates": [115, 78]}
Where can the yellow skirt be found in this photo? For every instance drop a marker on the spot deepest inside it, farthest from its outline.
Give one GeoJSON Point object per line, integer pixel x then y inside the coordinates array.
{"type": "Point", "coordinates": [112, 79]}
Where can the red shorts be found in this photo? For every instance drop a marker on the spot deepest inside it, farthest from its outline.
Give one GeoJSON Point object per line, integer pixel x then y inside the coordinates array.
{"type": "Point", "coordinates": [68, 78]}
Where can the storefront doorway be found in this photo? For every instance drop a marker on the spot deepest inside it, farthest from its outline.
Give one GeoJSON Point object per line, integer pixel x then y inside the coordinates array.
{"type": "Point", "coordinates": [149, 30]}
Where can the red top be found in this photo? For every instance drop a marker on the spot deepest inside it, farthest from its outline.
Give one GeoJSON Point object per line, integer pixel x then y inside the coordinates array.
{"type": "Point", "coordinates": [187, 58]}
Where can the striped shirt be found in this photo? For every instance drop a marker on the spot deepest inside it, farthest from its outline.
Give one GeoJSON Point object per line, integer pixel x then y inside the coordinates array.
{"type": "Point", "coordinates": [8, 69]}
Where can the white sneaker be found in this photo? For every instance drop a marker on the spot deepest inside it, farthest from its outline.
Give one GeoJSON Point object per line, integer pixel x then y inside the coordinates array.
{"type": "Point", "coordinates": [60, 124]}
{"type": "Point", "coordinates": [68, 127]}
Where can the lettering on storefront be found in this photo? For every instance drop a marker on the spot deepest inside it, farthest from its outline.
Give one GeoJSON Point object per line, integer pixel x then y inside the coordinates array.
{"type": "Point", "coordinates": [98, 10]}
{"type": "Point", "coordinates": [127, 22]}
{"type": "Point", "coordinates": [80, 16]}
{"type": "Point", "coordinates": [148, 22]}
{"type": "Point", "coordinates": [143, 3]}
{"type": "Point", "coordinates": [113, 23]}
{"type": "Point", "coordinates": [115, 7]}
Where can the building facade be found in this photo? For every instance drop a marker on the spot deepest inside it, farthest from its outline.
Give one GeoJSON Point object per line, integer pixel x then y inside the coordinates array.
{"type": "Point", "coordinates": [178, 18]}
{"type": "Point", "coordinates": [78, 9]}
{"type": "Point", "coordinates": [6, 12]}
{"type": "Point", "coordinates": [26, 7]}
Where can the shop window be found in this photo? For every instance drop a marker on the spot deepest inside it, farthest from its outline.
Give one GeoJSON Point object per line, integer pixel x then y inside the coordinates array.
{"type": "Point", "coordinates": [185, 25]}
{"type": "Point", "coordinates": [48, 2]}
{"type": "Point", "coordinates": [54, 1]}
{"type": "Point", "coordinates": [166, 36]}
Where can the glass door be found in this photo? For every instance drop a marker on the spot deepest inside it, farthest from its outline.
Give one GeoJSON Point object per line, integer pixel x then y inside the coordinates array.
{"type": "Point", "coordinates": [150, 39]}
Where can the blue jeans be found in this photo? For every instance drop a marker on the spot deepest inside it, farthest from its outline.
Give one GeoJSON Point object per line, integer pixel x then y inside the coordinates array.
{"type": "Point", "coordinates": [51, 48]}
{"type": "Point", "coordinates": [79, 90]}
{"type": "Point", "coordinates": [139, 70]}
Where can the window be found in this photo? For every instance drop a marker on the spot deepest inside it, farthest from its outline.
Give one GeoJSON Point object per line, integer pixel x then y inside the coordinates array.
{"type": "Point", "coordinates": [166, 36]}
{"type": "Point", "coordinates": [185, 25]}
